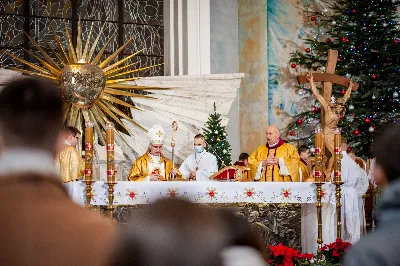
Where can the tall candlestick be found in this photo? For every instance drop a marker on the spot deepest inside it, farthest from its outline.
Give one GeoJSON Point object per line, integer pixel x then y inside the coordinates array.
{"type": "Point", "coordinates": [89, 161]}
{"type": "Point", "coordinates": [337, 174]}
{"type": "Point", "coordinates": [110, 152]}
{"type": "Point", "coordinates": [110, 165]}
{"type": "Point", "coordinates": [319, 145]}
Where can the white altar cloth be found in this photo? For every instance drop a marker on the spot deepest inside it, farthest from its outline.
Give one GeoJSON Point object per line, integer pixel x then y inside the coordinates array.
{"type": "Point", "coordinates": [131, 193]}
{"type": "Point", "coordinates": [128, 193]}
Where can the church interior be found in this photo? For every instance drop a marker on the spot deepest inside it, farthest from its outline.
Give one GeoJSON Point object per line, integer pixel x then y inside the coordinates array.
{"type": "Point", "coordinates": [199, 132]}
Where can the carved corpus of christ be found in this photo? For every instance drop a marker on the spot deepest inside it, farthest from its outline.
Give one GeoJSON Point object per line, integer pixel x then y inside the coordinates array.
{"type": "Point", "coordinates": [332, 108]}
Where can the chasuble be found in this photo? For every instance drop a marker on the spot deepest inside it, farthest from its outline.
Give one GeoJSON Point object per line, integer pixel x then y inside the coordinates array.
{"type": "Point", "coordinates": [143, 167]}
{"type": "Point", "coordinates": [70, 164]}
{"type": "Point", "coordinates": [287, 170]}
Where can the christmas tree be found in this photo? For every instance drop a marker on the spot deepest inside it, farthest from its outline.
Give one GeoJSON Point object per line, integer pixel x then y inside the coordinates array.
{"type": "Point", "coordinates": [217, 143]}
{"type": "Point", "coordinates": [366, 35]}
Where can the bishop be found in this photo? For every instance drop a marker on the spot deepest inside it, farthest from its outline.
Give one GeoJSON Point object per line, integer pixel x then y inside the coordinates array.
{"type": "Point", "coordinates": [153, 165]}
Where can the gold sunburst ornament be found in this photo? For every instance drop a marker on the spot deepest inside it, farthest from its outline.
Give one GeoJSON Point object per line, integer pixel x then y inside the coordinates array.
{"type": "Point", "coordinates": [89, 85]}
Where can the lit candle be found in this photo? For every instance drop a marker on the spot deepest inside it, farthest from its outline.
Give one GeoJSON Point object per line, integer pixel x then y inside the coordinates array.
{"type": "Point", "coordinates": [89, 151]}
{"type": "Point", "coordinates": [337, 156]}
{"type": "Point", "coordinates": [110, 152]}
{"type": "Point", "coordinates": [319, 144]}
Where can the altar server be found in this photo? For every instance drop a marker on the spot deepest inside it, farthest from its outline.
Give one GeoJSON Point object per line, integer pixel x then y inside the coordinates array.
{"type": "Point", "coordinates": [355, 186]}
{"type": "Point", "coordinates": [153, 166]}
{"type": "Point", "coordinates": [69, 161]}
{"type": "Point", "coordinates": [200, 165]}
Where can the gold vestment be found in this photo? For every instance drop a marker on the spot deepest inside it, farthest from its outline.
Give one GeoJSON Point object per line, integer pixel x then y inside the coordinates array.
{"type": "Point", "coordinates": [140, 170]}
{"type": "Point", "coordinates": [70, 164]}
{"type": "Point", "coordinates": [305, 172]}
{"type": "Point", "coordinates": [271, 173]}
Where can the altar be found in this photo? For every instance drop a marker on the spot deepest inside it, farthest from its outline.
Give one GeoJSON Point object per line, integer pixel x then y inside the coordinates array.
{"type": "Point", "coordinates": [280, 212]}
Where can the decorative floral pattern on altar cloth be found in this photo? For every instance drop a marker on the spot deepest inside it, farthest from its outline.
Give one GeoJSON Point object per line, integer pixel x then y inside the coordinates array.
{"type": "Point", "coordinates": [127, 192]}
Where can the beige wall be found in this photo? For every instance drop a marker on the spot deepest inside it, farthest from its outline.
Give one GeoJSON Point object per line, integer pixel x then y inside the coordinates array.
{"type": "Point", "coordinates": [253, 62]}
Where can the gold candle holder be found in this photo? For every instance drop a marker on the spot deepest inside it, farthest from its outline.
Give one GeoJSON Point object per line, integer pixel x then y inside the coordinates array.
{"type": "Point", "coordinates": [337, 174]}
{"type": "Point", "coordinates": [110, 165]}
{"type": "Point", "coordinates": [89, 162]}
{"type": "Point", "coordinates": [319, 177]}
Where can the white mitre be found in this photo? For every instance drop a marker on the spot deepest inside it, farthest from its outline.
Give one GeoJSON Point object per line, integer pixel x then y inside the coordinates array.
{"type": "Point", "coordinates": [156, 135]}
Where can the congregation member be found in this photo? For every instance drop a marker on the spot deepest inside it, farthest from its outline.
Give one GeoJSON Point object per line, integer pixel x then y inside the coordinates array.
{"type": "Point", "coordinates": [276, 161]}
{"type": "Point", "coordinates": [175, 232]}
{"type": "Point", "coordinates": [200, 165]}
{"type": "Point", "coordinates": [355, 186]}
{"type": "Point", "coordinates": [381, 246]}
{"type": "Point", "coordinates": [305, 170]}
{"type": "Point", "coordinates": [41, 225]}
{"type": "Point", "coordinates": [153, 165]}
{"type": "Point", "coordinates": [69, 162]}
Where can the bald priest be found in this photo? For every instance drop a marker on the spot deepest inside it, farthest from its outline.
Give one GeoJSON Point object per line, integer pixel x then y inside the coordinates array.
{"type": "Point", "coordinates": [276, 161]}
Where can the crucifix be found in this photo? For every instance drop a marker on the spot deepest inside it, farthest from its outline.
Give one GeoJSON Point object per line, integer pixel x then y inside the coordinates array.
{"type": "Point", "coordinates": [332, 109]}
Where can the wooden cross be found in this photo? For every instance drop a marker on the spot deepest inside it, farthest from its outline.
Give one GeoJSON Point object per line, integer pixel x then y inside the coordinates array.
{"type": "Point", "coordinates": [328, 78]}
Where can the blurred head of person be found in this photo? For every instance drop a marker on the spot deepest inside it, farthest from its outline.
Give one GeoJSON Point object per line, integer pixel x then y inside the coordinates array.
{"type": "Point", "coordinates": [31, 115]}
{"type": "Point", "coordinates": [387, 154]}
{"type": "Point", "coordinates": [173, 233]}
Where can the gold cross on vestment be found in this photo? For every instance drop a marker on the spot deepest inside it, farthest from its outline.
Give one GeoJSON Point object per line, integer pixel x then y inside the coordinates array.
{"type": "Point", "coordinates": [159, 133]}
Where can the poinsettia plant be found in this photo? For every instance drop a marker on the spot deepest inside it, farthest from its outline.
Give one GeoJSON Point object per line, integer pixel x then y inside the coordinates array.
{"type": "Point", "coordinates": [331, 254]}
{"type": "Point", "coordinates": [286, 256]}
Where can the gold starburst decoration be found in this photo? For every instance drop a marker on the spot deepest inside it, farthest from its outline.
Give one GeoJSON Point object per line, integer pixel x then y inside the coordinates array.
{"type": "Point", "coordinates": [90, 86]}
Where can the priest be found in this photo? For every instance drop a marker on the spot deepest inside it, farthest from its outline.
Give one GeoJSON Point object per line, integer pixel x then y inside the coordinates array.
{"type": "Point", "coordinates": [200, 165]}
{"type": "Point", "coordinates": [153, 166]}
{"type": "Point", "coordinates": [276, 161]}
{"type": "Point", "coordinates": [69, 162]}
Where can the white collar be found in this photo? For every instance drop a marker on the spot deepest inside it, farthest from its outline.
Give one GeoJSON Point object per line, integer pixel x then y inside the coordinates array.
{"type": "Point", "coordinates": [273, 145]}
{"type": "Point", "coordinates": [15, 161]}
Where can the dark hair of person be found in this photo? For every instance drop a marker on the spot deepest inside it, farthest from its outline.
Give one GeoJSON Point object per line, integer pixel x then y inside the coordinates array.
{"type": "Point", "coordinates": [172, 233]}
{"type": "Point", "coordinates": [243, 156]}
{"type": "Point", "coordinates": [72, 131]}
{"type": "Point", "coordinates": [30, 113]}
{"type": "Point", "coordinates": [387, 151]}
{"type": "Point", "coordinates": [302, 148]}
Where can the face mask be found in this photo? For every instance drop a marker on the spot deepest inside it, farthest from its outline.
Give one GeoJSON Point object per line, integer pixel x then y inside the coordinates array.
{"type": "Point", "coordinates": [198, 149]}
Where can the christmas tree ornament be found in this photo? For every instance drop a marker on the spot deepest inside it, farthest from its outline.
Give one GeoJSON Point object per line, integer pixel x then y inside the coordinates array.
{"type": "Point", "coordinates": [356, 132]}
{"type": "Point", "coordinates": [328, 40]}
{"type": "Point", "coordinates": [291, 133]}
{"type": "Point", "coordinates": [299, 121]}
{"type": "Point", "coordinates": [334, 23]}
{"type": "Point", "coordinates": [216, 131]}
{"type": "Point", "coordinates": [371, 129]}
{"type": "Point", "coordinates": [384, 25]}
{"type": "Point", "coordinates": [316, 109]}
{"type": "Point", "coordinates": [367, 120]}
{"type": "Point", "coordinates": [395, 94]}
{"type": "Point", "coordinates": [300, 92]}
{"type": "Point", "coordinates": [312, 150]}
{"type": "Point", "coordinates": [343, 92]}
{"type": "Point", "coordinates": [312, 18]}
{"type": "Point", "coordinates": [224, 151]}
{"type": "Point", "coordinates": [351, 107]}
{"type": "Point", "coordinates": [373, 97]}
{"type": "Point", "coordinates": [348, 149]}
{"type": "Point", "coordinates": [293, 65]}
{"type": "Point", "coordinates": [323, 69]}
{"type": "Point", "coordinates": [308, 50]}
{"type": "Point", "coordinates": [373, 76]}
{"type": "Point", "coordinates": [324, 11]}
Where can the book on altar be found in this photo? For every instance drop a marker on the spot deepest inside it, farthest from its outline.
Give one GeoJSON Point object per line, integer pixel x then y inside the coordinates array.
{"type": "Point", "coordinates": [232, 172]}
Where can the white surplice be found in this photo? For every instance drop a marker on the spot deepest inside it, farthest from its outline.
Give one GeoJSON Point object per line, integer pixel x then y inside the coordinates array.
{"type": "Point", "coordinates": [355, 186]}
{"type": "Point", "coordinates": [205, 162]}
